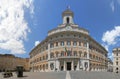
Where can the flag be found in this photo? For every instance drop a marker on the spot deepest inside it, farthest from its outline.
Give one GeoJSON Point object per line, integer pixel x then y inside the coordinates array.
{"type": "Point", "coordinates": [65, 51]}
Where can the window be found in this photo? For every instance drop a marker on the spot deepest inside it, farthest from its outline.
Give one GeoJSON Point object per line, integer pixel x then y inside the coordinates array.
{"type": "Point", "coordinates": [69, 53]}
{"type": "Point", "coordinates": [62, 53]}
{"type": "Point", "coordinates": [85, 44]}
{"type": "Point", "coordinates": [30, 56]}
{"type": "Point", "coordinates": [85, 38]}
{"type": "Point", "coordinates": [51, 45]}
{"type": "Point", "coordinates": [116, 58]}
{"type": "Point", "coordinates": [74, 43]}
{"type": "Point", "coordinates": [68, 43]}
{"type": "Point", "coordinates": [85, 54]}
{"type": "Point", "coordinates": [80, 53]}
{"type": "Point", "coordinates": [46, 47]}
{"type": "Point", "coordinates": [40, 67]}
{"type": "Point", "coordinates": [67, 20]}
{"type": "Point", "coordinates": [37, 59]}
{"type": "Point", "coordinates": [46, 57]}
{"type": "Point", "coordinates": [46, 66]}
{"type": "Point", "coordinates": [79, 43]}
{"type": "Point", "coordinates": [116, 63]}
{"type": "Point", "coordinates": [75, 53]}
{"type": "Point", "coordinates": [52, 55]}
{"type": "Point", "coordinates": [74, 35]}
{"type": "Point", "coordinates": [61, 35]}
{"type": "Point", "coordinates": [62, 43]}
{"type": "Point", "coordinates": [116, 54]}
{"type": "Point", "coordinates": [56, 36]}
{"type": "Point", "coordinates": [117, 68]}
{"type": "Point", "coordinates": [40, 59]}
{"type": "Point", "coordinates": [90, 56]}
{"type": "Point", "coordinates": [52, 66]}
{"type": "Point", "coordinates": [56, 54]}
{"type": "Point", "coordinates": [56, 43]}
{"type": "Point", "coordinates": [105, 55]}
{"type": "Point", "coordinates": [43, 57]}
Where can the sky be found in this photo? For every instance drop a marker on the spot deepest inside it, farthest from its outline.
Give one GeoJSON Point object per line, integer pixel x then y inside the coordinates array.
{"type": "Point", "coordinates": [25, 23]}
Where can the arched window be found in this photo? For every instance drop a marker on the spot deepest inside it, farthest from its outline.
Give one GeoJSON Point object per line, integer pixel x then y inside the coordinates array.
{"type": "Point", "coordinates": [69, 53]}
{"type": "Point", "coordinates": [52, 66]}
{"type": "Point", "coordinates": [43, 57]}
{"type": "Point", "coordinates": [67, 20]}
{"type": "Point", "coordinates": [85, 54]}
{"type": "Point", "coordinates": [52, 55]}
{"type": "Point", "coordinates": [116, 63]}
{"type": "Point", "coordinates": [46, 56]}
{"type": "Point", "coordinates": [40, 67]}
{"type": "Point", "coordinates": [75, 53]}
{"type": "Point", "coordinates": [80, 53]}
{"type": "Point", "coordinates": [62, 53]}
{"type": "Point", "coordinates": [56, 54]}
{"type": "Point", "coordinates": [117, 68]}
{"type": "Point", "coordinates": [68, 43]}
{"type": "Point", "coordinates": [75, 43]}
{"type": "Point", "coordinates": [46, 66]}
{"type": "Point", "coordinates": [43, 66]}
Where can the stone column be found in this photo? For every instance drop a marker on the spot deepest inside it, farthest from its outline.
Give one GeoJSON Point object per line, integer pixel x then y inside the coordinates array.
{"type": "Point", "coordinates": [88, 56]}
{"type": "Point", "coordinates": [78, 65]}
{"type": "Point", "coordinates": [72, 65]}
{"type": "Point", "coordinates": [64, 65]}
{"type": "Point", "coordinates": [57, 65]}
{"type": "Point", "coordinates": [48, 56]}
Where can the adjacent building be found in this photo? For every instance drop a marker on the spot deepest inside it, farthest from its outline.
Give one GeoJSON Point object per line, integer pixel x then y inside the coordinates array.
{"type": "Point", "coordinates": [68, 47]}
{"type": "Point", "coordinates": [9, 62]}
{"type": "Point", "coordinates": [116, 60]}
{"type": "Point", "coordinates": [110, 65]}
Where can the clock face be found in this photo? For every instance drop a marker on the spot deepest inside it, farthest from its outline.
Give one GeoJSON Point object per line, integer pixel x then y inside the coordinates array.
{"type": "Point", "coordinates": [68, 28]}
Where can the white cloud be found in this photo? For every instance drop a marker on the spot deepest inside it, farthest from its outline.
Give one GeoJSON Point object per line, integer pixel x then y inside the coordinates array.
{"type": "Point", "coordinates": [112, 6]}
{"type": "Point", "coordinates": [37, 42]}
{"type": "Point", "coordinates": [111, 37]}
{"type": "Point", "coordinates": [13, 27]}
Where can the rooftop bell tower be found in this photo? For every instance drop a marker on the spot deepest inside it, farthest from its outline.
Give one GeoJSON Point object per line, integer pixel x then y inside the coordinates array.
{"type": "Point", "coordinates": [67, 16]}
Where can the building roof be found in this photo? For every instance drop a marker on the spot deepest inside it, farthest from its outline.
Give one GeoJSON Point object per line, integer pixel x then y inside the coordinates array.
{"type": "Point", "coordinates": [67, 12]}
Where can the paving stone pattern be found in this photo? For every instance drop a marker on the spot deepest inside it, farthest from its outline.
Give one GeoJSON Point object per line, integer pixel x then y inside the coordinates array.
{"type": "Point", "coordinates": [63, 75]}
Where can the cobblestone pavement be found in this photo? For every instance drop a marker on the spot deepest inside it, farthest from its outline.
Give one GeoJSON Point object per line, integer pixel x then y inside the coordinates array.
{"type": "Point", "coordinates": [94, 75]}
{"type": "Point", "coordinates": [66, 75]}
{"type": "Point", "coordinates": [39, 75]}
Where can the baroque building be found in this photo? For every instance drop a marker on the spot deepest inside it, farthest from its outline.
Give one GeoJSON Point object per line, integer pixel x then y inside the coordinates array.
{"type": "Point", "coordinates": [9, 62]}
{"type": "Point", "coordinates": [116, 60]}
{"type": "Point", "coordinates": [68, 47]}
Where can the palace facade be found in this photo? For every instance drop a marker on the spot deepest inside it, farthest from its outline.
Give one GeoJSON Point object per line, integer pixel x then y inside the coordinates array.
{"type": "Point", "coordinates": [68, 47]}
{"type": "Point", "coordinates": [10, 62]}
{"type": "Point", "coordinates": [116, 60]}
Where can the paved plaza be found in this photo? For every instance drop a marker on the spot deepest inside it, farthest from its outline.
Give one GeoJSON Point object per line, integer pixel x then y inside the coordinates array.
{"type": "Point", "coordinates": [66, 75]}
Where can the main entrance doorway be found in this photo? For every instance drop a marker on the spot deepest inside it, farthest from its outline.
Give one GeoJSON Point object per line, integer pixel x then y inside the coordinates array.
{"type": "Point", "coordinates": [69, 66]}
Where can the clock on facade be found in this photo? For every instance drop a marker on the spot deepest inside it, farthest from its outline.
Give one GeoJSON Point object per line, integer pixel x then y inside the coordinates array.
{"type": "Point", "coordinates": [68, 28]}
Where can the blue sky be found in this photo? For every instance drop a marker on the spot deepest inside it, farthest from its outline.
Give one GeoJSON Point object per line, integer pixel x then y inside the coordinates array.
{"type": "Point", "coordinates": [100, 17]}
